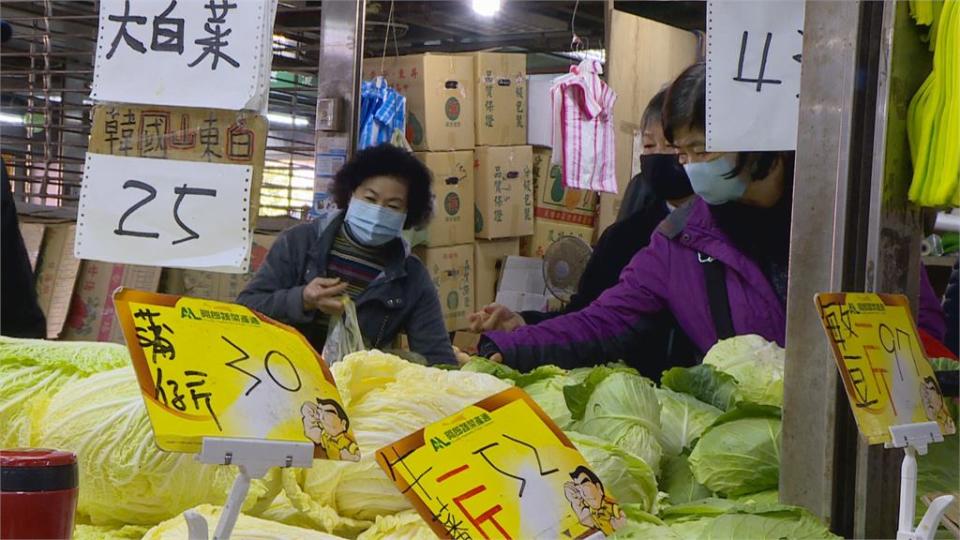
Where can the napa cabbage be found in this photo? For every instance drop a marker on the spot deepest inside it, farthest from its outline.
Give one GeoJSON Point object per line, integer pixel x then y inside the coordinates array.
{"type": "Point", "coordinates": [31, 370]}
{"type": "Point", "coordinates": [247, 527]}
{"type": "Point", "coordinates": [124, 477]}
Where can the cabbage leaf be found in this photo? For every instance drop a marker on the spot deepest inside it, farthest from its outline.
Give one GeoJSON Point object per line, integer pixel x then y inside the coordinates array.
{"type": "Point", "coordinates": [705, 383]}
{"type": "Point", "coordinates": [683, 419]}
{"type": "Point", "coordinates": [738, 457]}
{"type": "Point", "coordinates": [755, 363]}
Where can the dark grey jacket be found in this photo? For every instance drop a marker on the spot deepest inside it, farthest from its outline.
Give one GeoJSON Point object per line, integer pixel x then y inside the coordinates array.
{"type": "Point", "coordinates": [403, 298]}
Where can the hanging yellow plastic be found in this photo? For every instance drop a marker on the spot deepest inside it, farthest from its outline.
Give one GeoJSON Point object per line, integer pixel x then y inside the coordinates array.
{"type": "Point", "coordinates": [933, 118]}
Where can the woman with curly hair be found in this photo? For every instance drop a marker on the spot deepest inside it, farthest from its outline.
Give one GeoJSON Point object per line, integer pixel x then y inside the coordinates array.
{"type": "Point", "coordinates": [358, 252]}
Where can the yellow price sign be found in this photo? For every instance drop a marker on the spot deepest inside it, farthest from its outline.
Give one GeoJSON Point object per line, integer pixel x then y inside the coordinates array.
{"type": "Point", "coordinates": [213, 369]}
{"type": "Point", "coordinates": [885, 372]}
{"type": "Point", "coordinates": [500, 469]}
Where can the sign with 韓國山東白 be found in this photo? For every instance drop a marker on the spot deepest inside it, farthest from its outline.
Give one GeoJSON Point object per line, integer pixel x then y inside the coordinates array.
{"type": "Point", "coordinates": [754, 51]}
{"type": "Point", "coordinates": [213, 369]}
{"type": "Point", "coordinates": [188, 53]}
{"type": "Point", "coordinates": [182, 186]}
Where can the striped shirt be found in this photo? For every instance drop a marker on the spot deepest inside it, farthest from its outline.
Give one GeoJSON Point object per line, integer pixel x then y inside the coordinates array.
{"type": "Point", "coordinates": [353, 263]}
{"type": "Point", "coordinates": [583, 137]}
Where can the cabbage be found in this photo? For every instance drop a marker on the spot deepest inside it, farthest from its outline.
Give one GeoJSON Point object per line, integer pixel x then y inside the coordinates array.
{"type": "Point", "coordinates": [403, 526]}
{"type": "Point", "coordinates": [548, 393]}
{"type": "Point", "coordinates": [124, 477]}
{"type": "Point", "coordinates": [682, 418]}
{"type": "Point", "coordinates": [622, 408]}
{"type": "Point", "coordinates": [722, 519]}
{"type": "Point", "coordinates": [756, 364]}
{"type": "Point", "coordinates": [738, 455]}
{"type": "Point", "coordinates": [33, 369]}
{"type": "Point", "coordinates": [386, 399]}
{"type": "Point", "coordinates": [248, 528]}
{"type": "Point", "coordinates": [677, 481]}
{"type": "Point", "coordinates": [628, 478]}
{"type": "Point", "coordinates": [705, 383]}
{"type": "Point", "coordinates": [938, 472]}
{"type": "Point", "coordinates": [763, 497]}
{"type": "Point", "coordinates": [101, 532]}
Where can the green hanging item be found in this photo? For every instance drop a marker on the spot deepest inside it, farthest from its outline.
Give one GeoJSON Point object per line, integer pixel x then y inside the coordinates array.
{"type": "Point", "coordinates": [933, 118]}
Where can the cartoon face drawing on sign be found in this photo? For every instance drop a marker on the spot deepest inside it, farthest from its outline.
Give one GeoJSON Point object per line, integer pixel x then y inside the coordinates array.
{"type": "Point", "coordinates": [589, 501]}
{"type": "Point", "coordinates": [933, 402]}
{"type": "Point", "coordinates": [326, 424]}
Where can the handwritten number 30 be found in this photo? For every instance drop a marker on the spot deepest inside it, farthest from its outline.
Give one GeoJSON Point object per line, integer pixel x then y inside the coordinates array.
{"type": "Point", "coordinates": [180, 192]}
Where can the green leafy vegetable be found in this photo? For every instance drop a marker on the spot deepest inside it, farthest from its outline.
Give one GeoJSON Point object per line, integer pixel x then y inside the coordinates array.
{"type": "Point", "coordinates": [32, 370]}
{"type": "Point", "coordinates": [628, 478]}
{"type": "Point", "coordinates": [944, 364]}
{"type": "Point", "coordinates": [738, 457]}
{"type": "Point", "coordinates": [623, 409]}
{"type": "Point", "coordinates": [723, 519]}
{"type": "Point", "coordinates": [479, 364]}
{"type": "Point", "coordinates": [578, 395]}
{"type": "Point", "coordinates": [755, 363]}
{"type": "Point", "coordinates": [678, 483]}
{"type": "Point", "coordinates": [682, 418]}
{"type": "Point", "coordinates": [705, 383]}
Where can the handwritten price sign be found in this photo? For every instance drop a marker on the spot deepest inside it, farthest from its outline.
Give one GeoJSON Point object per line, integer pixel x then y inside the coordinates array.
{"type": "Point", "coordinates": [886, 374]}
{"type": "Point", "coordinates": [212, 369]}
{"type": "Point", "coordinates": [500, 469]}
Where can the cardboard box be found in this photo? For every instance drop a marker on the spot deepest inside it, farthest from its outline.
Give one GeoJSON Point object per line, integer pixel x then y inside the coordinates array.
{"type": "Point", "coordinates": [556, 202]}
{"type": "Point", "coordinates": [452, 271]}
{"type": "Point", "coordinates": [440, 97]}
{"type": "Point", "coordinates": [501, 102]}
{"type": "Point", "coordinates": [548, 232]}
{"type": "Point", "coordinates": [57, 271]}
{"type": "Point", "coordinates": [32, 234]}
{"type": "Point", "coordinates": [217, 285]}
{"type": "Point", "coordinates": [92, 315]}
{"type": "Point", "coordinates": [490, 256]}
{"type": "Point", "coordinates": [453, 194]}
{"type": "Point", "coordinates": [504, 191]}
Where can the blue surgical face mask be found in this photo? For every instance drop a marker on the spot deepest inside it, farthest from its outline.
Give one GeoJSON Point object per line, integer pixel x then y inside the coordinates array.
{"type": "Point", "coordinates": [709, 180]}
{"type": "Point", "coordinates": [372, 224]}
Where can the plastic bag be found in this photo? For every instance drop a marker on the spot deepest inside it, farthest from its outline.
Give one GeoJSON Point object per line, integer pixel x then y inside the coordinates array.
{"type": "Point", "coordinates": [343, 335]}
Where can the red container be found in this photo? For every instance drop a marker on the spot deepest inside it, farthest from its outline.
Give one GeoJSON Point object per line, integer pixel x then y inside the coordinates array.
{"type": "Point", "coordinates": [38, 493]}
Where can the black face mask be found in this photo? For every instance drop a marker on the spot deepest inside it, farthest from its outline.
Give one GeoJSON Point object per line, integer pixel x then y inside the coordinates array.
{"type": "Point", "coordinates": [665, 176]}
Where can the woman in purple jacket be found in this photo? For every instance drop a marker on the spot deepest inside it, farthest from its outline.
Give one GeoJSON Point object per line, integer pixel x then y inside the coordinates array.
{"type": "Point", "coordinates": [718, 264]}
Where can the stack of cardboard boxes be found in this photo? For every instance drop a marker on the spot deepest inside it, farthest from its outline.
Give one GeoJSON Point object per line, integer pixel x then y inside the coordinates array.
{"type": "Point", "coordinates": [467, 121]}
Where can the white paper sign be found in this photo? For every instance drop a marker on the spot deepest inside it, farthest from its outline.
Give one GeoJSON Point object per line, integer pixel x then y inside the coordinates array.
{"type": "Point", "coordinates": [160, 212]}
{"type": "Point", "coordinates": [753, 74]}
{"type": "Point", "coordinates": [190, 53]}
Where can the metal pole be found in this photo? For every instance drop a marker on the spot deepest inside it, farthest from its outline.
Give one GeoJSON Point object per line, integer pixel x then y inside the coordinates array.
{"type": "Point", "coordinates": [341, 56]}
{"type": "Point", "coordinates": [813, 405]}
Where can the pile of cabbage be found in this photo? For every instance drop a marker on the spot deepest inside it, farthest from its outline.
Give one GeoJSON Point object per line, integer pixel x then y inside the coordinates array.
{"type": "Point", "coordinates": [696, 457]}
{"type": "Point", "coordinates": [710, 435]}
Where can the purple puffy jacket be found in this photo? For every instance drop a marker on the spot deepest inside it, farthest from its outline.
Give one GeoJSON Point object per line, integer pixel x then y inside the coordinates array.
{"type": "Point", "coordinates": [668, 275]}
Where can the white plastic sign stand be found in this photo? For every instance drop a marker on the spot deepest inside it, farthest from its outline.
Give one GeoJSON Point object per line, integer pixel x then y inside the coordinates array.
{"type": "Point", "coordinates": [254, 457]}
{"type": "Point", "coordinates": [914, 438]}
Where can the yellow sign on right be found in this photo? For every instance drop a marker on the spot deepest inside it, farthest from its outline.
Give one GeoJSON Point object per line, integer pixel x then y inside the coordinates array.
{"type": "Point", "coordinates": [886, 374]}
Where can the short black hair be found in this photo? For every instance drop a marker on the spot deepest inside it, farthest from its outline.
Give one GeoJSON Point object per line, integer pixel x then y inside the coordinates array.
{"type": "Point", "coordinates": [685, 106]}
{"type": "Point", "coordinates": [590, 474]}
{"type": "Point", "coordinates": [387, 160]}
{"type": "Point", "coordinates": [337, 407]}
{"type": "Point", "coordinates": [654, 111]}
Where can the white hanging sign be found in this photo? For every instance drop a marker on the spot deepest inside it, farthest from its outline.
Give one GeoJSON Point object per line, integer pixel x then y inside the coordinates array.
{"type": "Point", "coordinates": [753, 74]}
{"type": "Point", "coordinates": [189, 53]}
{"type": "Point", "coordinates": [158, 212]}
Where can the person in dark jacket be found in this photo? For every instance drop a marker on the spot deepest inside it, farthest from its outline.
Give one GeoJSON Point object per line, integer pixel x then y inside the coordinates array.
{"type": "Point", "coordinates": [737, 231]}
{"type": "Point", "coordinates": [359, 252]}
{"type": "Point", "coordinates": [951, 309]}
{"type": "Point", "coordinates": [20, 315]}
{"type": "Point", "coordinates": [661, 186]}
